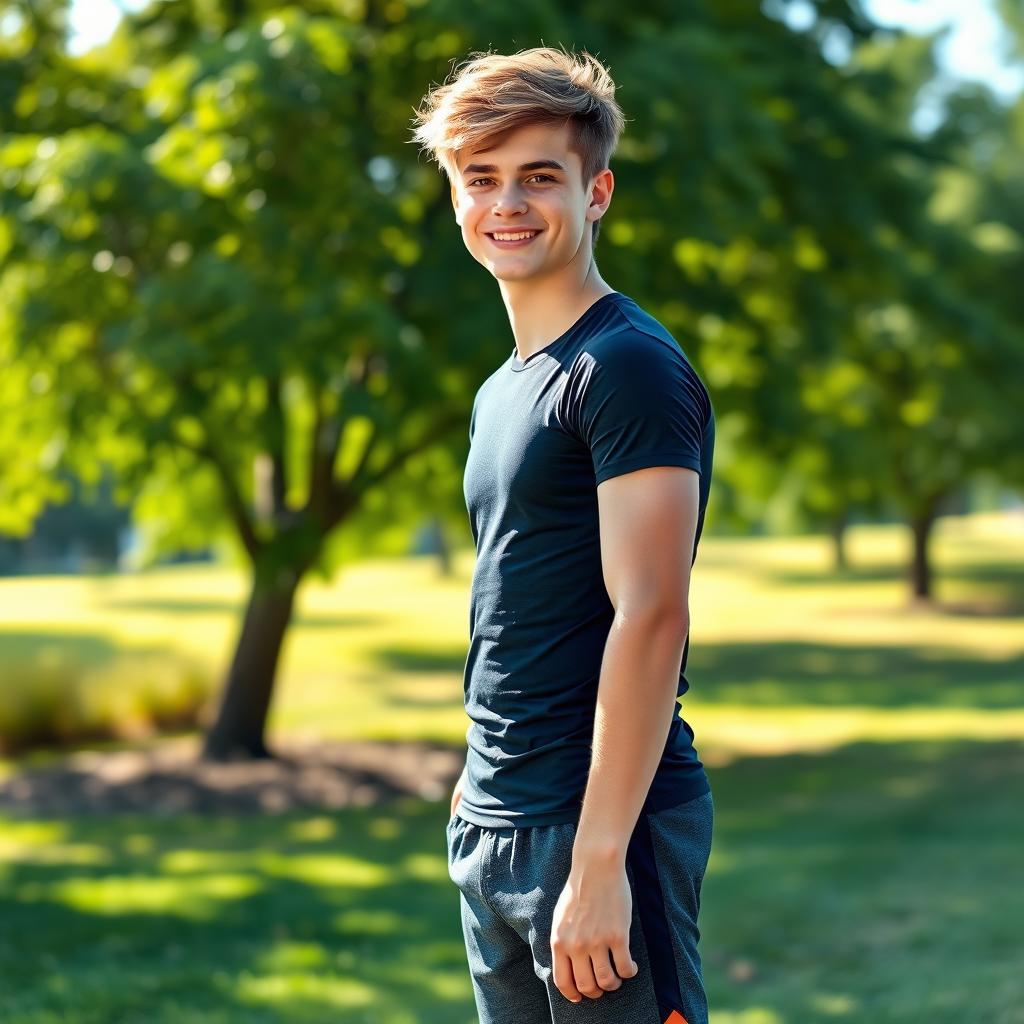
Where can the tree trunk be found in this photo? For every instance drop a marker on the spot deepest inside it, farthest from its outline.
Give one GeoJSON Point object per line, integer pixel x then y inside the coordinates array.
{"type": "Point", "coordinates": [921, 522]}
{"type": "Point", "coordinates": [237, 732]}
{"type": "Point", "coordinates": [837, 531]}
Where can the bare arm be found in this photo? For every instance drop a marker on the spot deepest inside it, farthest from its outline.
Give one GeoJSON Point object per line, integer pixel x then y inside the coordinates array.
{"type": "Point", "coordinates": [648, 520]}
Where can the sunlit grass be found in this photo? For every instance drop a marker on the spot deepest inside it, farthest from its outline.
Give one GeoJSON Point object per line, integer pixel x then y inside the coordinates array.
{"type": "Point", "coordinates": [866, 760]}
{"type": "Point", "coordinates": [379, 652]}
{"type": "Point", "coordinates": [263, 919]}
{"type": "Point", "coordinates": [871, 880]}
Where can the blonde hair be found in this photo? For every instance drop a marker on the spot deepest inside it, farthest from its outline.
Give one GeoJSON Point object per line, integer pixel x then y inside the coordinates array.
{"type": "Point", "coordinates": [489, 95]}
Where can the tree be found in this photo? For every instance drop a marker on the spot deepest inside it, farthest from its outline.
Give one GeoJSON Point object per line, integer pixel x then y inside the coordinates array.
{"type": "Point", "coordinates": [216, 295]}
{"type": "Point", "coordinates": [231, 279]}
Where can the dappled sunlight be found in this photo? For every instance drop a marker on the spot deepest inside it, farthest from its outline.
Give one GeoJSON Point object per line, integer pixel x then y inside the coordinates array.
{"type": "Point", "coordinates": [727, 731]}
{"type": "Point", "coordinates": [825, 873]}
{"type": "Point", "coordinates": [385, 828]}
{"type": "Point", "coordinates": [290, 956]}
{"type": "Point", "coordinates": [197, 898]}
{"type": "Point", "coordinates": [265, 917]}
{"type": "Point", "coordinates": [751, 1015]}
{"type": "Point", "coordinates": [61, 853]}
{"type": "Point", "coordinates": [138, 844]}
{"type": "Point", "coordinates": [191, 862]}
{"type": "Point", "coordinates": [370, 922]}
{"type": "Point", "coordinates": [821, 883]}
{"type": "Point", "coordinates": [863, 759]}
{"type": "Point", "coordinates": [314, 830]}
{"type": "Point", "coordinates": [426, 867]}
{"type": "Point", "coordinates": [16, 836]}
{"type": "Point", "coordinates": [284, 989]}
{"type": "Point", "coordinates": [327, 869]}
{"type": "Point", "coordinates": [435, 986]}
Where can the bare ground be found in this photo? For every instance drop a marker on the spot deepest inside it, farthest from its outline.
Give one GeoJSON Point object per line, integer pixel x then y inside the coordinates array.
{"type": "Point", "coordinates": [167, 777]}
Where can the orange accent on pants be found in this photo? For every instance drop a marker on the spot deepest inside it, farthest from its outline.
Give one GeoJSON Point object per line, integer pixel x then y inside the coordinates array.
{"type": "Point", "coordinates": [675, 1017]}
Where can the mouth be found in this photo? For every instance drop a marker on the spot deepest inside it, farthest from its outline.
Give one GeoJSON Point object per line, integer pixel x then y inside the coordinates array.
{"type": "Point", "coordinates": [513, 239]}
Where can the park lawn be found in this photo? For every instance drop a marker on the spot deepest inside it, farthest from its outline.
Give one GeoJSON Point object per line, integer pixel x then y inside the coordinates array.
{"type": "Point", "coordinates": [379, 652]}
{"type": "Point", "coordinates": [877, 881]}
{"type": "Point", "coordinates": [866, 762]}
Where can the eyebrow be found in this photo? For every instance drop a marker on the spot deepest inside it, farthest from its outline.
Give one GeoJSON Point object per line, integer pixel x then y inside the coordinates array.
{"type": "Point", "coordinates": [533, 165]}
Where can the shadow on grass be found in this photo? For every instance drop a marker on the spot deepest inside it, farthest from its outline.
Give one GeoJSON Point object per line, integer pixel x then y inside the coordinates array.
{"type": "Point", "coordinates": [293, 918]}
{"type": "Point", "coordinates": [783, 673]}
{"type": "Point", "coordinates": [875, 880]}
{"type": "Point", "coordinates": [833, 675]}
{"type": "Point", "coordinates": [180, 607]}
{"type": "Point", "coordinates": [416, 659]}
{"type": "Point", "coordinates": [1004, 583]}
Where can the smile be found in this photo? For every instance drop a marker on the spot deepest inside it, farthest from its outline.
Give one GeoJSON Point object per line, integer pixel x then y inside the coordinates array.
{"type": "Point", "coordinates": [512, 239]}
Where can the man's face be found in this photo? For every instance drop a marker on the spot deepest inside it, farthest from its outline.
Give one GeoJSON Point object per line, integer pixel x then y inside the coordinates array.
{"type": "Point", "coordinates": [494, 193]}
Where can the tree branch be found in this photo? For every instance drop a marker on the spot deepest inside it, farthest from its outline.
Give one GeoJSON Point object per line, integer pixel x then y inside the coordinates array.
{"type": "Point", "coordinates": [437, 430]}
{"type": "Point", "coordinates": [205, 450]}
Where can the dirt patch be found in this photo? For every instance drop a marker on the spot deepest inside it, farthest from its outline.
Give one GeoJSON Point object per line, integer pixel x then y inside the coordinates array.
{"type": "Point", "coordinates": [169, 778]}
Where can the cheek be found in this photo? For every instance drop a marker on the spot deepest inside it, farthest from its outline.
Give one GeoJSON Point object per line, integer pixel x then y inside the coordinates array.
{"type": "Point", "coordinates": [472, 213]}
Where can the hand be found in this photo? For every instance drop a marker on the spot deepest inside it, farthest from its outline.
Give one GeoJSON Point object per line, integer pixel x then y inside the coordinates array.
{"type": "Point", "coordinates": [457, 793]}
{"type": "Point", "coordinates": [591, 919]}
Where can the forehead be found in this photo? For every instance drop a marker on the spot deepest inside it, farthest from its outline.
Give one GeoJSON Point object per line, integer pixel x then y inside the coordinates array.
{"type": "Point", "coordinates": [523, 145]}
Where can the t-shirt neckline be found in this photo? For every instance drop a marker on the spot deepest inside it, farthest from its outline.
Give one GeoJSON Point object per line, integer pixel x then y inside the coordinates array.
{"type": "Point", "coordinates": [517, 365]}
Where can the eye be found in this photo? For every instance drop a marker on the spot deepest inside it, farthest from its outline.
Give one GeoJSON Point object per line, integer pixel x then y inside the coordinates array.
{"type": "Point", "coordinates": [546, 177]}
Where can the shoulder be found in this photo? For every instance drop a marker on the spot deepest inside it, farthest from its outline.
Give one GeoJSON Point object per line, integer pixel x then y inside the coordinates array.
{"type": "Point", "coordinates": [636, 352]}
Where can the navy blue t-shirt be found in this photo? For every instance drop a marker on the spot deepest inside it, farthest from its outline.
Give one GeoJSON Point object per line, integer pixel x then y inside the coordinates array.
{"type": "Point", "coordinates": [614, 393]}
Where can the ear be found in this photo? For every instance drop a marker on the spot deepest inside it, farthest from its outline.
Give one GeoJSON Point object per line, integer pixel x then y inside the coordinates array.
{"type": "Point", "coordinates": [455, 204]}
{"type": "Point", "coordinates": [601, 189]}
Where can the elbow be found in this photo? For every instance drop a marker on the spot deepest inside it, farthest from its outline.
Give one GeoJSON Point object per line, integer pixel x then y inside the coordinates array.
{"type": "Point", "coordinates": [663, 616]}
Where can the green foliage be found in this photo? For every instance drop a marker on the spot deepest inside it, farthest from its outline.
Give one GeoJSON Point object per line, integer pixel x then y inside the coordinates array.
{"type": "Point", "coordinates": [203, 299]}
{"type": "Point", "coordinates": [53, 699]}
{"type": "Point", "coordinates": [235, 257]}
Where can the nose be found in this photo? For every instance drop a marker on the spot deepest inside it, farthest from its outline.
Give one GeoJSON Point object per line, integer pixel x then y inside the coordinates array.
{"type": "Point", "coordinates": [509, 200]}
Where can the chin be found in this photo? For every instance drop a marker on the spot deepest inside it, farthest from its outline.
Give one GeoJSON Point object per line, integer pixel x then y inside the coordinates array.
{"type": "Point", "coordinates": [511, 273]}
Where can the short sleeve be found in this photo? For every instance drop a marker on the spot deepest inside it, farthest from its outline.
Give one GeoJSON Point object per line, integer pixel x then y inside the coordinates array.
{"type": "Point", "coordinates": [637, 402]}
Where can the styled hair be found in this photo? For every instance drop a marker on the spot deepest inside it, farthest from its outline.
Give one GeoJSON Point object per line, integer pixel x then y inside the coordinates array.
{"type": "Point", "coordinates": [490, 95]}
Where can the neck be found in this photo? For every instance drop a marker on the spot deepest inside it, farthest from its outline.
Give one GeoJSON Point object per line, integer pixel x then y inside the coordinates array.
{"type": "Point", "coordinates": [540, 311]}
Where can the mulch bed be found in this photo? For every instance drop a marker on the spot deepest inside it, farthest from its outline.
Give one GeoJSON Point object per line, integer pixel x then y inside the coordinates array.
{"type": "Point", "coordinates": [168, 777]}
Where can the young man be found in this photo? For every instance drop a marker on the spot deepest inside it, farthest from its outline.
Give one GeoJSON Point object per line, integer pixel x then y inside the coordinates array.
{"type": "Point", "coordinates": [581, 827]}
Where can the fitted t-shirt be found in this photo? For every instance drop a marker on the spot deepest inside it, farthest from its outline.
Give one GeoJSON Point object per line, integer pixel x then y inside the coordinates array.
{"type": "Point", "coordinates": [612, 394]}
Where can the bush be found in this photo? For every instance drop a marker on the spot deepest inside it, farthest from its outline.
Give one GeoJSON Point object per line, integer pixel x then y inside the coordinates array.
{"type": "Point", "coordinates": [54, 703]}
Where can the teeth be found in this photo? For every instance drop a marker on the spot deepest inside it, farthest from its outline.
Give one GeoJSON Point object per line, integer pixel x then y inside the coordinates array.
{"type": "Point", "coordinates": [513, 237]}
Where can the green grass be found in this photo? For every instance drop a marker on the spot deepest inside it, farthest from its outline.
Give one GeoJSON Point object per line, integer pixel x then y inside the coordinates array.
{"type": "Point", "coordinates": [866, 761]}
{"type": "Point", "coordinates": [875, 882]}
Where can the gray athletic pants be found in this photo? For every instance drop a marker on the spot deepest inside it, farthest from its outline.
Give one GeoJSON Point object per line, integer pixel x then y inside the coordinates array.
{"type": "Point", "coordinates": [509, 880]}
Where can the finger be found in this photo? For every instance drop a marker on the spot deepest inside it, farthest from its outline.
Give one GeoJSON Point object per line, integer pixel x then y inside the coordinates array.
{"type": "Point", "coordinates": [620, 954]}
{"type": "Point", "coordinates": [605, 977]}
{"type": "Point", "coordinates": [584, 975]}
{"type": "Point", "coordinates": [562, 970]}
